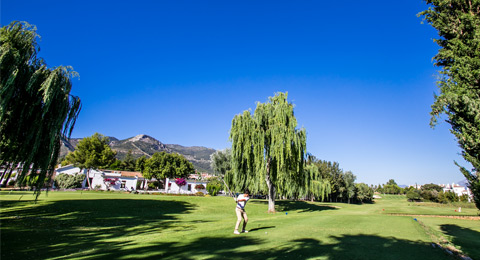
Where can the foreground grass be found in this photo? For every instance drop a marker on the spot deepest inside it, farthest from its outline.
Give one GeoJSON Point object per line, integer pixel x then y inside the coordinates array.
{"type": "Point", "coordinates": [93, 225]}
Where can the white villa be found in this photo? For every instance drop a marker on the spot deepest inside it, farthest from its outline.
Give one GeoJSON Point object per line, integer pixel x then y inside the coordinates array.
{"type": "Point", "coordinates": [130, 181]}
{"type": "Point", "coordinates": [457, 189]}
{"type": "Point", "coordinates": [107, 179]}
{"type": "Point", "coordinates": [192, 186]}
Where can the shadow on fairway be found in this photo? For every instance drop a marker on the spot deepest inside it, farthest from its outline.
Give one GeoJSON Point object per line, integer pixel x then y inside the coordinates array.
{"type": "Point", "coordinates": [467, 239]}
{"type": "Point", "coordinates": [69, 226]}
{"type": "Point", "coordinates": [301, 206]}
{"type": "Point", "coordinates": [260, 228]}
{"type": "Point", "coordinates": [249, 247]}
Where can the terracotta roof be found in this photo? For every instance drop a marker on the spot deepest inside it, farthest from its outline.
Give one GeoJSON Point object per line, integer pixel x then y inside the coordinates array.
{"type": "Point", "coordinates": [125, 173]}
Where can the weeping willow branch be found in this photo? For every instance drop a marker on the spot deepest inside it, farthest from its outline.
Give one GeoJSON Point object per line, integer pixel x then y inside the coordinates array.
{"type": "Point", "coordinates": [36, 107]}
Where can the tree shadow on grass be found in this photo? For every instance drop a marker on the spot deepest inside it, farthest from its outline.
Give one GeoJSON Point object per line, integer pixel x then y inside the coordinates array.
{"type": "Point", "coordinates": [467, 239]}
{"type": "Point", "coordinates": [250, 247]}
{"type": "Point", "coordinates": [260, 228]}
{"type": "Point", "coordinates": [69, 226]}
{"type": "Point", "coordinates": [300, 206]}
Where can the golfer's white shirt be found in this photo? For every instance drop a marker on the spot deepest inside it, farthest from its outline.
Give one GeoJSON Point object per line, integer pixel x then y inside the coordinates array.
{"type": "Point", "coordinates": [241, 204]}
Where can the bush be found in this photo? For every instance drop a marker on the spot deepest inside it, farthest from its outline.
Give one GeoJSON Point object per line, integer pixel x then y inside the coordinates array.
{"type": "Point", "coordinates": [199, 194]}
{"type": "Point", "coordinates": [430, 195]}
{"type": "Point", "coordinates": [67, 181]}
{"type": "Point", "coordinates": [446, 197]}
{"type": "Point", "coordinates": [152, 185]}
{"type": "Point", "coordinates": [11, 182]}
{"type": "Point", "coordinates": [181, 182]}
{"type": "Point", "coordinates": [464, 198]}
{"type": "Point", "coordinates": [414, 195]}
{"type": "Point", "coordinates": [214, 187]}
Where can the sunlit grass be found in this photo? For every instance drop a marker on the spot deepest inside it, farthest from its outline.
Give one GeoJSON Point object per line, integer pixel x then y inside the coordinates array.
{"type": "Point", "coordinates": [93, 225]}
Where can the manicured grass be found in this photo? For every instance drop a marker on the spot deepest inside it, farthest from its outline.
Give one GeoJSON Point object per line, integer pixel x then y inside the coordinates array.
{"type": "Point", "coordinates": [96, 225]}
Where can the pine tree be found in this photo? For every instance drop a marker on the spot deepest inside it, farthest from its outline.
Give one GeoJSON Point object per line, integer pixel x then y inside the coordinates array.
{"type": "Point", "coordinates": [458, 25]}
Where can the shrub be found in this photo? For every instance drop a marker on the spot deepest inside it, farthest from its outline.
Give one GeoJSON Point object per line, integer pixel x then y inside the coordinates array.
{"type": "Point", "coordinates": [152, 185]}
{"type": "Point", "coordinates": [214, 186]}
{"type": "Point", "coordinates": [446, 197]}
{"type": "Point", "coordinates": [11, 182]}
{"type": "Point", "coordinates": [430, 195]}
{"type": "Point", "coordinates": [464, 198]}
{"type": "Point", "coordinates": [199, 194]}
{"type": "Point", "coordinates": [181, 182]}
{"type": "Point", "coordinates": [414, 195]}
{"type": "Point", "coordinates": [67, 181]}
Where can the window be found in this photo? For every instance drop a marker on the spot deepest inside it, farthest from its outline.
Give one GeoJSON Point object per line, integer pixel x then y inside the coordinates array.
{"type": "Point", "coordinates": [123, 184]}
{"type": "Point", "coordinates": [189, 187]}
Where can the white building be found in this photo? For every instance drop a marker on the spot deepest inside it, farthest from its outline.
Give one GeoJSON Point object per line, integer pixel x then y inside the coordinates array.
{"type": "Point", "coordinates": [107, 179]}
{"type": "Point", "coordinates": [192, 187]}
{"type": "Point", "coordinates": [457, 189]}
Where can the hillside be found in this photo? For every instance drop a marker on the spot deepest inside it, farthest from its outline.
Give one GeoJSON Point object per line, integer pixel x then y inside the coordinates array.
{"type": "Point", "coordinates": [146, 145]}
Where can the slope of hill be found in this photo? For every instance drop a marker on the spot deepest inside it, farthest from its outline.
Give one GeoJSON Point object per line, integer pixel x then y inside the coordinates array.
{"type": "Point", "coordinates": [146, 145]}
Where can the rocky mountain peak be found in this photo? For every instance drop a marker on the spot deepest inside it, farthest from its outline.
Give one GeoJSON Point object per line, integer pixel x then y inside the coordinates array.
{"type": "Point", "coordinates": [144, 138]}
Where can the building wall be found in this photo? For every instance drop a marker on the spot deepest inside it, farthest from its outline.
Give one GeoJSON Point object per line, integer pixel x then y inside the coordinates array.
{"type": "Point", "coordinates": [123, 183]}
{"type": "Point", "coordinates": [172, 187]}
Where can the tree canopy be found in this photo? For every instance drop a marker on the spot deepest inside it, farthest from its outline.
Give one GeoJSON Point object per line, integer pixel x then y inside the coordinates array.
{"type": "Point", "coordinates": [268, 151]}
{"type": "Point", "coordinates": [458, 26]}
{"type": "Point", "coordinates": [92, 153]}
{"type": "Point", "coordinates": [166, 165]}
{"type": "Point", "coordinates": [36, 107]}
{"type": "Point", "coordinates": [221, 162]}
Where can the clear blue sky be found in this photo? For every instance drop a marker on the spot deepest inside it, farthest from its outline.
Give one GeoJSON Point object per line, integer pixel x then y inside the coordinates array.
{"type": "Point", "coordinates": [360, 74]}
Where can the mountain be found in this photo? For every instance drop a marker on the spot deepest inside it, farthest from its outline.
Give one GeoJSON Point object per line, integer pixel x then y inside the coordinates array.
{"type": "Point", "coordinates": [146, 145]}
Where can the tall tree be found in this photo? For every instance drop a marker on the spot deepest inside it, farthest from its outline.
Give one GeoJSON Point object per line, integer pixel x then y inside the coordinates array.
{"type": "Point", "coordinates": [166, 165]}
{"type": "Point", "coordinates": [36, 108]}
{"type": "Point", "coordinates": [458, 25]}
{"type": "Point", "coordinates": [92, 153]}
{"type": "Point", "coordinates": [129, 162]}
{"type": "Point", "coordinates": [140, 163]}
{"type": "Point", "coordinates": [221, 162]}
{"type": "Point", "coordinates": [268, 151]}
{"type": "Point", "coordinates": [316, 187]}
{"type": "Point", "coordinates": [350, 187]}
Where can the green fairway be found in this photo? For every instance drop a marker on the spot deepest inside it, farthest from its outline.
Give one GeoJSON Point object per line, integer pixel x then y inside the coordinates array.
{"type": "Point", "coordinates": [101, 225]}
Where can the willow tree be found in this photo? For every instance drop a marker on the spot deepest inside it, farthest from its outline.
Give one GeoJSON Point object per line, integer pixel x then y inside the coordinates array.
{"type": "Point", "coordinates": [268, 151]}
{"type": "Point", "coordinates": [36, 108]}
{"type": "Point", "coordinates": [316, 187]}
{"type": "Point", "coordinates": [458, 25]}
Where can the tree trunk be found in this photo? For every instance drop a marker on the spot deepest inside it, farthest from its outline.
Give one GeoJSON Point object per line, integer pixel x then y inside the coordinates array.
{"type": "Point", "coordinates": [88, 180]}
{"type": "Point", "coordinates": [271, 190]}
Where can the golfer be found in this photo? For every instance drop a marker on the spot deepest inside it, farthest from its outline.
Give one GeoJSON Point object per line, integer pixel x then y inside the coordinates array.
{"type": "Point", "coordinates": [240, 210]}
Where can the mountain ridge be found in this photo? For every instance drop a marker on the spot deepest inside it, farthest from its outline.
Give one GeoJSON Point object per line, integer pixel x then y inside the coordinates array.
{"type": "Point", "coordinates": [143, 144]}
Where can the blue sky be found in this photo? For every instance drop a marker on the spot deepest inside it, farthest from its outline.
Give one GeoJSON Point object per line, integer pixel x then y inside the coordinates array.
{"type": "Point", "coordinates": [360, 74]}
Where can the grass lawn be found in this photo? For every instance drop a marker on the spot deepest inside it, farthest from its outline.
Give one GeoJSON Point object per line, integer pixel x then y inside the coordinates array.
{"type": "Point", "coordinates": [101, 225]}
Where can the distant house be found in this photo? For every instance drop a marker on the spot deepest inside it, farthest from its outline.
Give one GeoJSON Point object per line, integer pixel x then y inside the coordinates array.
{"type": "Point", "coordinates": [457, 189]}
{"type": "Point", "coordinates": [107, 179]}
{"type": "Point", "coordinates": [118, 180]}
{"type": "Point", "coordinates": [193, 186]}
{"type": "Point", "coordinates": [199, 176]}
